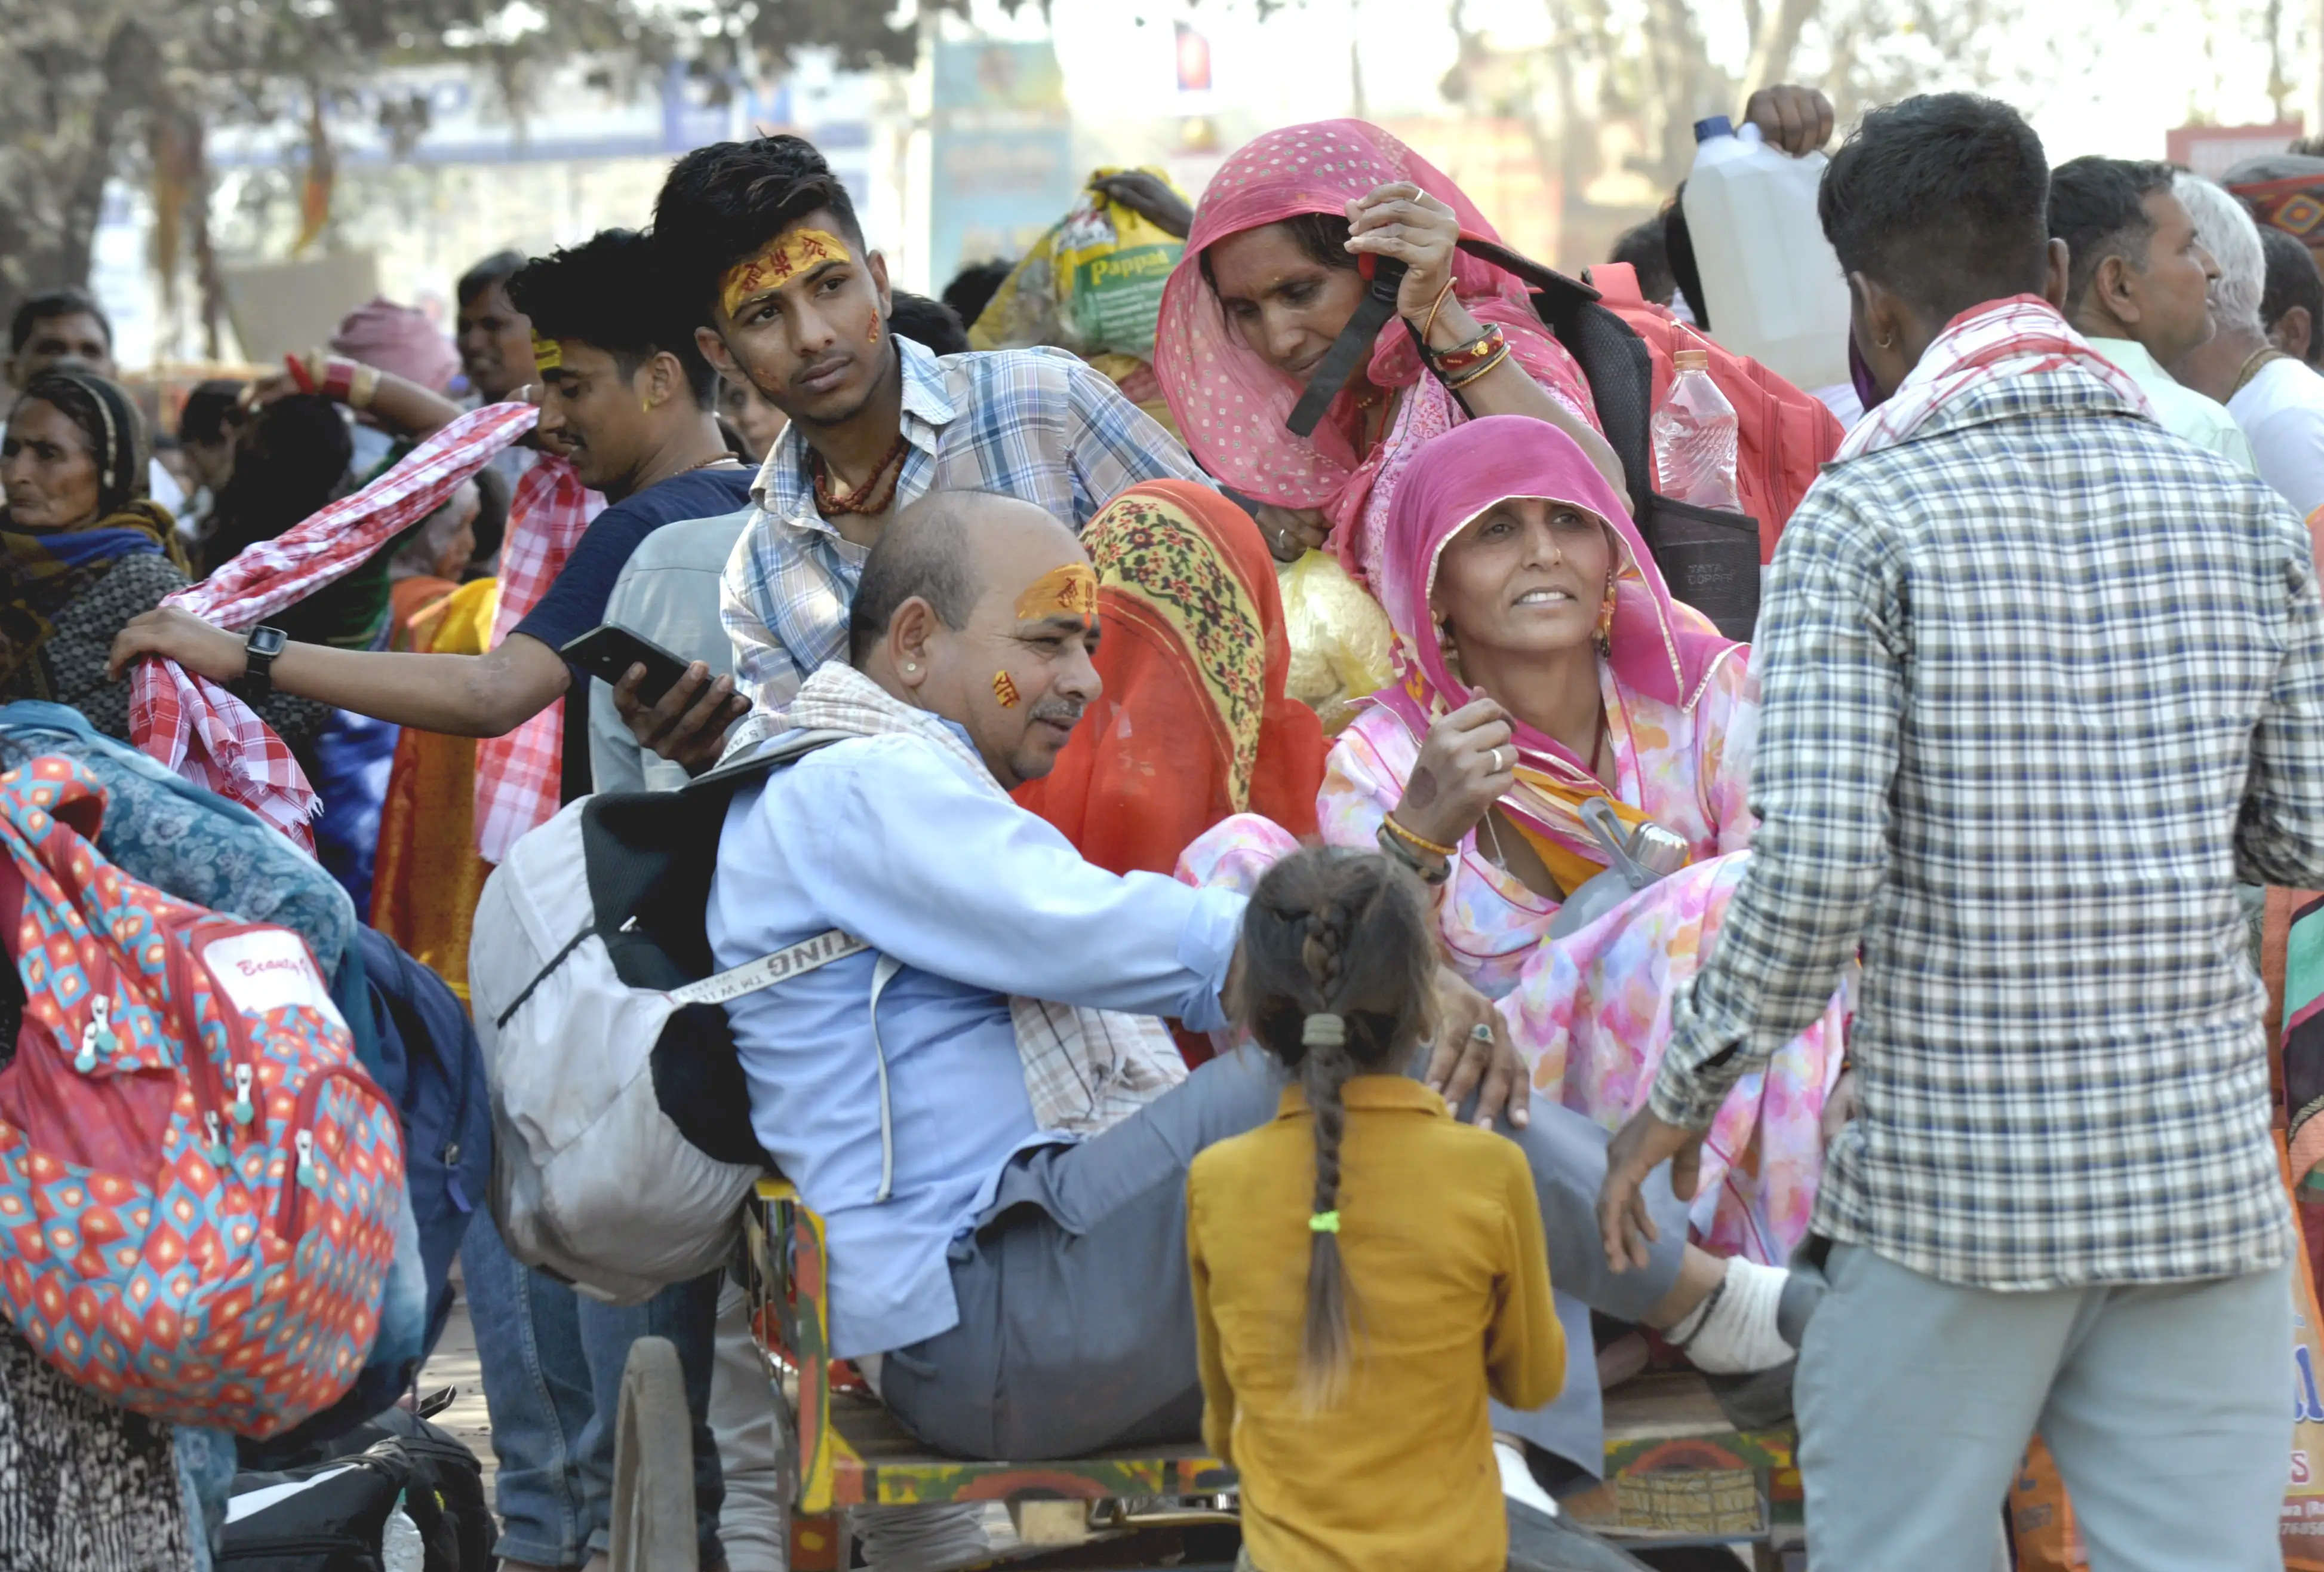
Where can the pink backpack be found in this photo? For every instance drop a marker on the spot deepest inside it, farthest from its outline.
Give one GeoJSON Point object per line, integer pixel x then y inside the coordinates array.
{"type": "Point", "coordinates": [198, 1186]}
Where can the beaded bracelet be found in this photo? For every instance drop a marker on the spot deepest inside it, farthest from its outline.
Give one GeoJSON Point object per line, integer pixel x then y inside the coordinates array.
{"type": "Point", "coordinates": [1429, 874]}
{"type": "Point", "coordinates": [1454, 384]}
{"type": "Point", "coordinates": [1449, 364]}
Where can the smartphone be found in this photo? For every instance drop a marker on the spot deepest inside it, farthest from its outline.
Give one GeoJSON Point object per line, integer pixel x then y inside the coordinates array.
{"type": "Point", "coordinates": [608, 650]}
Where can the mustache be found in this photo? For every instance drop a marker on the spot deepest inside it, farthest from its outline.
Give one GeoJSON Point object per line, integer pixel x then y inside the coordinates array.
{"type": "Point", "coordinates": [1064, 712]}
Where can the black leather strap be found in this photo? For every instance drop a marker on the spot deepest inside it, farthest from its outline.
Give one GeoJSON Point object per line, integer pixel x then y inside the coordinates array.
{"type": "Point", "coordinates": [1349, 349]}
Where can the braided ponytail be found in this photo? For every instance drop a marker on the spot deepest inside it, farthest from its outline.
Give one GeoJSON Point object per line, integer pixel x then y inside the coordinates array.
{"type": "Point", "coordinates": [1337, 962]}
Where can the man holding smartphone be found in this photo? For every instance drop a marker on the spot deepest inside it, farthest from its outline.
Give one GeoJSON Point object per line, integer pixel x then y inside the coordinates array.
{"type": "Point", "coordinates": [623, 390]}
{"type": "Point", "coordinates": [627, 395]}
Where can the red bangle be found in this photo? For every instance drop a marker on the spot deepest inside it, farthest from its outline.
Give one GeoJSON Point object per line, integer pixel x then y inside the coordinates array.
{"type": "Point", "coordinates": [1449, 363]}
{"type": "Point", "coordinates": [338, 379]}
{"type": "Point", "coordinates": [297, 366]}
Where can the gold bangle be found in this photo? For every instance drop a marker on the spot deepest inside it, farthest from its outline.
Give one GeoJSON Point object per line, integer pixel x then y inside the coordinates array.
{"type": "Point", "coordinates": [1441, 296]}
{"type": "Point", "coordinates": [1485, 370]}
{"type": "Point", "coordinates": [1422, 842]}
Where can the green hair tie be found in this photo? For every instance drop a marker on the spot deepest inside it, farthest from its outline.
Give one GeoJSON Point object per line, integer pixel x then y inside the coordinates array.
{"type": "Point", "coordinates": [1323, 1223]}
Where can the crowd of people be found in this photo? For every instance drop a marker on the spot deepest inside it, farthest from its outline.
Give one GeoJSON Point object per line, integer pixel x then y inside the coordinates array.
{"type": "Point", "coordinates": [1863, 1014]}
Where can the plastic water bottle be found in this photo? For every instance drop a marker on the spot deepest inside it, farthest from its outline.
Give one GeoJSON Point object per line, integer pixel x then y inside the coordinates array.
{"type": "Point", "coordinates": [401, 1548]}
{"type": "Point", "coordinates": [1770, 282]}
{"type": "Point", "coordinates": [1694, 437]}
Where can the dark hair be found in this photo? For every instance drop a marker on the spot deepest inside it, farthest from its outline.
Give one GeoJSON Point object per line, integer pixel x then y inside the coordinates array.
{"type": "Point", "coordinates": [1942, 198]}
{"type": "Point", "coordinates": [289, 461]}
{"type": "Point", "coordinates": [1642, 245]}
{"type": "Point", "coordinates": [108, 417]}
{"type": "Point", "coordinates": [71, 301]}
{"type": "Point", "coordinates": [1321, 239]}
{"type": "Point", "coordinates": [209, 410]}
{"type": "Point", "coordinates": [721, 203]}
{"type": "Point", "coordinates": [611, 292]}
{"type": "Point", "coordinates": [1678, 251]}
{"type": "Point", "coordinates": [2098, 207]}
{"type": "Point", "coordinates": [492, 515]}
{"type": "Point", "coordinates": [496, 268]}
{"type": "Point", "coordinates": [2292, 280]}
{"type": "Point", "coordinates": [922, 553]}
{"type": "Point", "coordinates": [927, 323]}
{"type": "Point", "coordinates": [1342, 935]}
{"type": "Point", "coordinates": [972, 288]}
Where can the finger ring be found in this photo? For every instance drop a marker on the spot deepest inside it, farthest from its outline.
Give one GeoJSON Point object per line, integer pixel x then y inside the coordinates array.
{"type": "Point", "coordinates": [1480, 1033]}
{"type": "Point", "coordinates": [1497, 765]}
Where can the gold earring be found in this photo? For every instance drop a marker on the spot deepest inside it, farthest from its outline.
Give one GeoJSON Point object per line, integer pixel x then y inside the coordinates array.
{"type": "Point", "coordinates": [1606, 619]}
{"type": "Point", "coordinates": [645, 406]}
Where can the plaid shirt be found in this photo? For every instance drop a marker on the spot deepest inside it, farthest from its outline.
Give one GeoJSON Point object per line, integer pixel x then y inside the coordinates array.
{"type": "Point", "coordinates": [207, 733]}
{"type": "Point", "coordinates": [2041, 682]}
{"type": "Point", "coordinates": [1035, 423]}
{"type": "Point", "coordinates": [518, 772]}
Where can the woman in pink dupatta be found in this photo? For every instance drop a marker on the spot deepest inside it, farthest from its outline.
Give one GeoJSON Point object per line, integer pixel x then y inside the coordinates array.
{"type": "Point", "coordinates": [1268, 281]}
{"type": "Point", "coordinates": [1513, 574]}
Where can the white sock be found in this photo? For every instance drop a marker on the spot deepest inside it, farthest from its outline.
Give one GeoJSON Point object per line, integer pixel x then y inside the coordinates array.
{"type": "Point", "coordinates": [1733, 1331]}
{"type": "Point", "coordinates": [1517, 1482]}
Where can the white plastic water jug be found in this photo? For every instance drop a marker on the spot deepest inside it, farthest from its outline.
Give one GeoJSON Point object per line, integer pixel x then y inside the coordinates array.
{"type": "Point", "coordinates": [1770, 280]}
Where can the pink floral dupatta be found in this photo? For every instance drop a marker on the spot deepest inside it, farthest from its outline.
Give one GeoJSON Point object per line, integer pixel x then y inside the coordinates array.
{"type": "Point", "coordinates": [1230, 405]}
{"type": "Point", "coordinates": [1658, 649]}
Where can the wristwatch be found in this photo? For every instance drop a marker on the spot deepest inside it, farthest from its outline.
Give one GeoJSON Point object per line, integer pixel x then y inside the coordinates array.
{"type": "Point", "coordinates": [258, 652]}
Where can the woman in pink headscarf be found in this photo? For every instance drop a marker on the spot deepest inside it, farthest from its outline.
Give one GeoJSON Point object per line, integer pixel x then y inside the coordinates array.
{"type": "Point", "coordinates": [1542, 664]}
{"type": "Point", "coordinates": [1270, 278]}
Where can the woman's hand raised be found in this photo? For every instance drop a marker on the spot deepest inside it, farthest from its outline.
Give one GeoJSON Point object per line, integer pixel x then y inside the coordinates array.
{"type": "Point", "coordinates": [1290, 531]}
{"type": "Point", "coordinates": [1466, 763]}
{"type": "Point", "coordinates": [1403, 221]}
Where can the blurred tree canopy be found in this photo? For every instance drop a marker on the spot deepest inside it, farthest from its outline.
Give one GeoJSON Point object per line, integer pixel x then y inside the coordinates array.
{"type": "Point", "coordinates": [96, 89]}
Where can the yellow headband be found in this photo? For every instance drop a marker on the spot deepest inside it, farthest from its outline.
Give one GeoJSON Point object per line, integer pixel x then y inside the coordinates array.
{"type": "Point", "coordinates": [548, 355]}
{"type": "Point", "coordinates": [1067, 591]}
{"type": "Point", "coordinates": [786, 256]}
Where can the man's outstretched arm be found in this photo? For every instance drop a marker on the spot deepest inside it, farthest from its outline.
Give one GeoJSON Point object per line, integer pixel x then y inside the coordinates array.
{"type": "Point", "coordinates": [1833, 684]}
{"type": "Point", "coordinates": [476, 696]}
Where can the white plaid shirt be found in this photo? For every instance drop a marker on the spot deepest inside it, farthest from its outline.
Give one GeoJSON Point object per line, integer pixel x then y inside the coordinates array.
{"type": "Point", "coordinates": [2041, 682]}
{"type": "Point", "coordinates": [1036, 424]}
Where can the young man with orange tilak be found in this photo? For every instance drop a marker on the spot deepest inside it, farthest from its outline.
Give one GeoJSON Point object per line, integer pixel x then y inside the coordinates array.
{"type": "Point", "coordinates": [764, 238]}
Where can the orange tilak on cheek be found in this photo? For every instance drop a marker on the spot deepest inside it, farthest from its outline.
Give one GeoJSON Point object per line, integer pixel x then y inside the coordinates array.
{"type": "Point", "coordinates": [1070, 590]}
{"type": "Point", "coordinates": [786, 257]}
{"type": "Point", "coordinates": [1004, 688]}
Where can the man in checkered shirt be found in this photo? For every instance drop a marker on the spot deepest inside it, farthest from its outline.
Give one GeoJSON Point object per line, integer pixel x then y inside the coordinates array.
{"type": "Point", "coordinates": [2041, 680]}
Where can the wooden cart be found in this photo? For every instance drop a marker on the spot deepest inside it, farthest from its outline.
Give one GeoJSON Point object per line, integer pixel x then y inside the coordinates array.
{"type": "Point", "coordinates": [1677, 1473]}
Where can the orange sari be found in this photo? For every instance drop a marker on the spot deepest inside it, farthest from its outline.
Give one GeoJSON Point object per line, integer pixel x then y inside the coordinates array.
{"type": "Point", "coordinates": [1193, 724]}
{"type": "Point", "coordinates": [428, 875]}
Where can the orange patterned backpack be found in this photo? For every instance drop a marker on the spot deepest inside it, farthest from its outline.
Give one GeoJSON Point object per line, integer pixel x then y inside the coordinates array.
{"type": "Point", "coordinates": [199, 1185]}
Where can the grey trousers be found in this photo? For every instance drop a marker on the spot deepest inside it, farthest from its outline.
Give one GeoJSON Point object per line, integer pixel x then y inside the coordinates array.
{"type": "Point", "coordinates": [1076, 1328]}
{"type": "Point", "coordinates": [2165, 1406]}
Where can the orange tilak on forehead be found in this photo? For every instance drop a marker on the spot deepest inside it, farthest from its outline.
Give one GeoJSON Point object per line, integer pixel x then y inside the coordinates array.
{"type": "Point", "coordinates": [786, 256]}
{"type": "Point", "coordinates": [1067, 591]}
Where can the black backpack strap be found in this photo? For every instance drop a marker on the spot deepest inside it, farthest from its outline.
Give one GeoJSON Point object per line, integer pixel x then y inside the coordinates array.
{"type": "Point", "coordinates": [1349, 351]}
{"type": "Point", "coordinates": [651, 854]}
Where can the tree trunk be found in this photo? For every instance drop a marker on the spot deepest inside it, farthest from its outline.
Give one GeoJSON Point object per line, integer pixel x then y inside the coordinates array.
{"type": "Point", "coordinates": [1772, 45]}
{"type": "Point", "coordinates": [41, 256]}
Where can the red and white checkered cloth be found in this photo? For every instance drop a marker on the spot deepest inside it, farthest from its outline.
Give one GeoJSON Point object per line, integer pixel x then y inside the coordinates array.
{"type": "Point", "coordinates": [212, 737]}
{"type": "Point", "coordinates": [518, 774]}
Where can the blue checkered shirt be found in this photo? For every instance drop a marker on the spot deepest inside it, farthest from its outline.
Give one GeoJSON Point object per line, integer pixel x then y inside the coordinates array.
{"type": "Point", "coordinates": [2041, 682]}
{"type": "Point", "coordinates": [1035, 423]}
